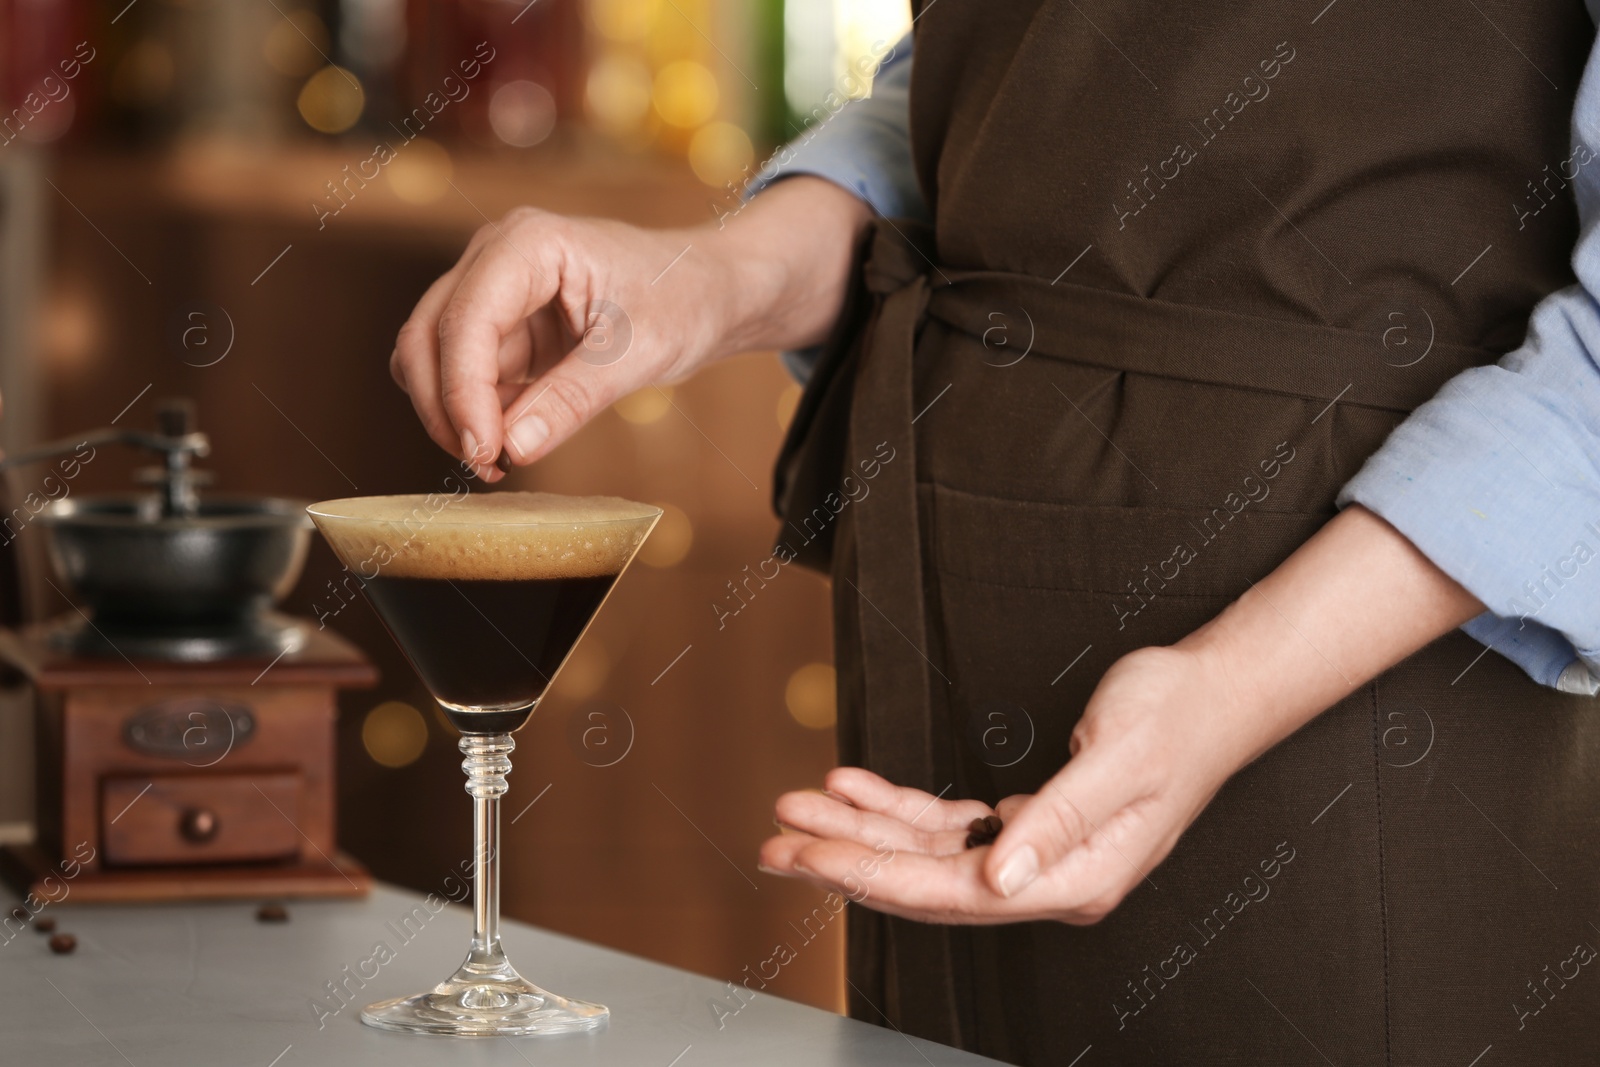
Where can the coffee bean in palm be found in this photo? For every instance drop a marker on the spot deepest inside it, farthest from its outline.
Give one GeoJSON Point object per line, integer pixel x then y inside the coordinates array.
{"type": "Point", "coordinates": [983, 831]}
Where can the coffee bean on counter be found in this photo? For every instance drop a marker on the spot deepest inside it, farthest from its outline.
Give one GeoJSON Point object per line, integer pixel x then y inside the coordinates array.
{"type": "Point", "coordinates": [272, 913]}
{"type": "Point", "coordinates": [21, 914]}
{"type": "Point", "coordinates": [45, 924]}
{"type": "Point", "coordinates": [63, 944]}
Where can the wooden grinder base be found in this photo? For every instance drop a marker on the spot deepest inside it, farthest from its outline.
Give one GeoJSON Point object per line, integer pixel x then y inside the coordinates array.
{"type": "Point", "coordinates": [162, 780]}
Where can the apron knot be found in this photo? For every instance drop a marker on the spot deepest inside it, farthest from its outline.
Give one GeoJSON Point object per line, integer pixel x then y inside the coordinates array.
{"type": "Point", "coordinates": [900, 253]}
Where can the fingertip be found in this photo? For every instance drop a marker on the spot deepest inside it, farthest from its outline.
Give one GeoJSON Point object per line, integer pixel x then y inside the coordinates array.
{"type": "Point", "coordinates": [1009, 807]}
{"type": "Point", "coordinates": [842, 799]}
{"type": "Point", "coordinates": [846, 782]}
{"type": "Point", "coordinates": [790, 808]}
{"type": "Point", "coordinates": [777, 854]}
{"type": "Point", "coordinates": [1010, 872]}
{"type": "Point", "coordinates": [525, 439]}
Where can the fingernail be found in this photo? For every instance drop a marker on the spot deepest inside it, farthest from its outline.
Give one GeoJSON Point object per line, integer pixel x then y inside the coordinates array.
{"type": "Point", "coordinates": [1019, 871]}
{"type": "Point", "coordinates": [469, 447]}
{"type": "Point", "coordinates": [836, 796]}
{"type": "Point", "coordinates": [764, 869]}
{"type": "Point", "coordinates": [525, 437]}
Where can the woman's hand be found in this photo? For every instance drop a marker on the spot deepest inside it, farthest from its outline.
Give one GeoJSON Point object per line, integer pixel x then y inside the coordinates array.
{"type": "Point", "coordinates": [1162, 732]}
{"type": "Point", "coordinates": [546, 320]}
{"type": "Point", "coordinates": [1156, 741]}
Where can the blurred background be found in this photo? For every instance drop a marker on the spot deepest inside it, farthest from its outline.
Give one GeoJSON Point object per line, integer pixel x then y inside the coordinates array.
{"type": "Point", "coordinates": [239, 201]}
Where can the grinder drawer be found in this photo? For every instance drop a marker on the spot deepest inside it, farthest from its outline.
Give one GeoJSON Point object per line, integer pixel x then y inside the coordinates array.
{"type": "Point", "coordinates": [200, 818]}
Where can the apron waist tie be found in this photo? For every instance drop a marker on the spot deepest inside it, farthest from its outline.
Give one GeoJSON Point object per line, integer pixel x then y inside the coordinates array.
{"type": "Point", "coordinates": [1393, 371]}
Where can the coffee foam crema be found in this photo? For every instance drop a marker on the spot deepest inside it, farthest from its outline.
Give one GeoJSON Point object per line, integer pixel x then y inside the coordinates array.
{"type": "Point", "coordinates": [503, 536]}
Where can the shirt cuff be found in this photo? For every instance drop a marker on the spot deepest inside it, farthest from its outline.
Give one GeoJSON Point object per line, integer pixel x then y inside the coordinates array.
{"type": "Point", "coordinates": [1517, 526]}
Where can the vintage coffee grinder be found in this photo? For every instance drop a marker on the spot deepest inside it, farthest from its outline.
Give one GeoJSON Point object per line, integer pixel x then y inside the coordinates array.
{"type": "Point", "coordinates": [184, 730]}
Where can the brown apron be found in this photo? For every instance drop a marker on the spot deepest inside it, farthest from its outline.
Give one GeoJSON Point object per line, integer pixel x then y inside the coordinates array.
{"type": "Point", "coordinates": [1190, 264]}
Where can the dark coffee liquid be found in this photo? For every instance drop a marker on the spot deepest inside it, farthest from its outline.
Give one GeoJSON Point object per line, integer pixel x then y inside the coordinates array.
{"type": "Point", "coordinates": [489, 643]}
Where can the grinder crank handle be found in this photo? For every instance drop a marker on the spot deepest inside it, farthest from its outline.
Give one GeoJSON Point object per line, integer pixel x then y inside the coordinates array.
{"type": "Point", "coordinates": [194, 443]}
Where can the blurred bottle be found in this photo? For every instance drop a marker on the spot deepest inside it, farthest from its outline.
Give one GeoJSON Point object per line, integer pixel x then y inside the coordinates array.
{"type": "Point", "coordinates": [526, 58]}
{"type": "Point", "coordinates": [42, 83]}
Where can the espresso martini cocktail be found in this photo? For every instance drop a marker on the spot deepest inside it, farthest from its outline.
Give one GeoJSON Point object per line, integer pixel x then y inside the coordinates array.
{"type": "Point", "coordinates": [486, 597]}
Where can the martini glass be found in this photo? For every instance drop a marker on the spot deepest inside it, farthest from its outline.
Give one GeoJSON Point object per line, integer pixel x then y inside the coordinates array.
{"type": "Point", "coordinates": [486, 595]}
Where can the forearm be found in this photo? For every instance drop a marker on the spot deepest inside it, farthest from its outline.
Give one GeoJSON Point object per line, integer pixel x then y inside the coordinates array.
{"type": "Point", "coordinates": [1351, 602]}
{"type": "Point", "coordinates": [783, 264]}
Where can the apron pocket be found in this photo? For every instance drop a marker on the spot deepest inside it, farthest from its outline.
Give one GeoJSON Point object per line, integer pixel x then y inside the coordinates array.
{"type": "Point", "coordinates": [1111, 549]}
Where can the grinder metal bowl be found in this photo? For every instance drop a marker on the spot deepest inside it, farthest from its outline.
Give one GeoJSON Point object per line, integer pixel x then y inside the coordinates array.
{"type": "Point", "coordinates": [219, 567]}
{"type": "Point", "coordinates": [169, 575]}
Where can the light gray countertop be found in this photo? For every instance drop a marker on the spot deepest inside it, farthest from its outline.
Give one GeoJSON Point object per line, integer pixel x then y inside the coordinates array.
{"type": "Point", "coordinates": [207, 985]}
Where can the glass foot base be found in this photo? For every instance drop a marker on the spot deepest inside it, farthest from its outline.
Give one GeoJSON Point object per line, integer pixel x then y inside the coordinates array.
{"type": "Point", "coordinates": [486, 1009]}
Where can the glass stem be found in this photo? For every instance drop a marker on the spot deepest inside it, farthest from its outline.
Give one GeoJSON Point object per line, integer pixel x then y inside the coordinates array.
{"type": "Point", "coordinates": [488, 761]}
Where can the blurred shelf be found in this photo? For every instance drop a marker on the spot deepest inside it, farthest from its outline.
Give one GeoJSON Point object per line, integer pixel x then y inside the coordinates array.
{"type": "Point", "coordinates": [281, 184]}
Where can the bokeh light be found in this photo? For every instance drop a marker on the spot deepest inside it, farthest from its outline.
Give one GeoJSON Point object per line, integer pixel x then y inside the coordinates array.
{"type": "Point", "coordinates": [670, 541]}
{"type": "Point", "coordinates": [811, 697]}
{"type": "Point", "coordinates": [685, 93]}
{"type": "Point", "coordinates": [586, 669]}
{"type": "Point", "coordinates": [69, 328]}
{"type": "Point", "coordinates": [522, 113]}
{"type": "Point", "coordinates": [331, 100]}
{"type": "Point", "coordinates": [624, 20]}
{"type": "Point", "coordinates": [48, 125]}
{"type": "Point", "coordinates": [144, 75]}
{"type": "Point", "coordinates": [394, 734]}
{"type": "Point", "coordinates": [618, 94]}
{"type": "Point", "coordinates": [858, 25]}
{"type": "Point", "coordinates": [645, 406]}
{"type": "Point", "coordinates": [420, 172]}
{"type": "Point", "coordinates": [720, 152]}
{"type": "Point", "coordinates": [296, 44]}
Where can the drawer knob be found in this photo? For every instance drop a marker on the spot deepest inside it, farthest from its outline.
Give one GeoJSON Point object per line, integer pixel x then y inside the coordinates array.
{"type": "Point", "coordinates": [198, 825]}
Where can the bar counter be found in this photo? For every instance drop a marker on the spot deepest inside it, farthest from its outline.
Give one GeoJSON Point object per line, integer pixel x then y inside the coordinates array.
{"type": "Point", "coordinates": [204, 984]}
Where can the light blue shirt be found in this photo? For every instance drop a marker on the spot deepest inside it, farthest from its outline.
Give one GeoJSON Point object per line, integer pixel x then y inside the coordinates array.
{"type": "Point", "coordinates": [1496, 479]}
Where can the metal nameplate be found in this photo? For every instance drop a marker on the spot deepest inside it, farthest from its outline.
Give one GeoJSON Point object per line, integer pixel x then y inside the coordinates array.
{"type": "Point", "coordinates": [198, 730]}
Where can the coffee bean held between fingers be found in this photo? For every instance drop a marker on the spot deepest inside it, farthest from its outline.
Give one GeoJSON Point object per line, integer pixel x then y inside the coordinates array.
{"type": "Point", "coordinates": [983, 831]}
{"type": "Point", "coordinates": [63, 944]}
{"type": "Point", "coordinates": [272, 913]}
{"type": "Point", "coordinates": [45, 924]}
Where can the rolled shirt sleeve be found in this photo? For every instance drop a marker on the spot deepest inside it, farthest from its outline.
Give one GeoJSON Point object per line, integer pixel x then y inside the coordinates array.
{"type": "Point", "coordinates": [1497, 478]}
{"type": "Point", "coordinates": [862, 145]}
